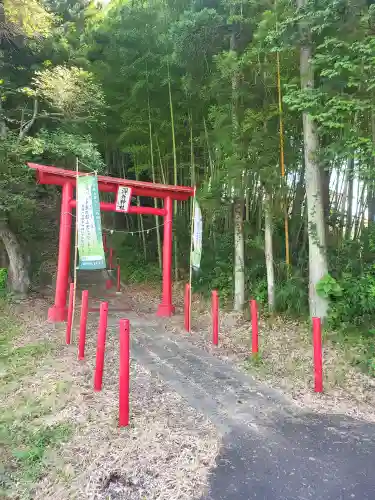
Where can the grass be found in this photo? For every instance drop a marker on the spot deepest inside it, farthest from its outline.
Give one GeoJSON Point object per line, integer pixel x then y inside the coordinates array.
{"type": "Point", "coordinates": [166, 452]}
{"type": "Point", "coordinates": [24, 441]}
{"type": "Point", "coordinates": [148, 273]}
{"type": "Point", "coordinates": [359, 348]}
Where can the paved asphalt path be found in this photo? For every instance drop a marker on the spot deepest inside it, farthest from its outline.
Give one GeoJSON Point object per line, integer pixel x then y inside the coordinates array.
{"type": "Point", "coordinates": [271, 449]}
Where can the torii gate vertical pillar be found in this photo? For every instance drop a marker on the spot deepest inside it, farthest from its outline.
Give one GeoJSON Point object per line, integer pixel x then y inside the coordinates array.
{"type": "Point", "coordinates": [166, 308]}
{"type": "Point", "coordinates": [58, 312]}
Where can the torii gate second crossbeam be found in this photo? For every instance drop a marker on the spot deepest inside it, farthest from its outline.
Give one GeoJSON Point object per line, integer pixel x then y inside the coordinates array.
{"type": "Point", "coordinates": [67, 179]}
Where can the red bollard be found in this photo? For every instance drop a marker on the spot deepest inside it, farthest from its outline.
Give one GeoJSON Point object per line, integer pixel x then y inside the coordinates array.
{"type": "Point", "coordinates": [68, 335]}
{"type": "Point", "coordinates": [215, 317]}
{"type": "Point", "coordinates": [83, 324]}
{"type": "Point", "coordinates": [187, 307]}
{"type": "Point", "coordinates": [110, 258]}
{"type": "Point", "coordinates": [124, 375]}
{"type": "Point", "coordinates": [105, 248]}
{"type": "Point", "coordinates": [108, 284]}
{"type": "Point", "coordinates": [100, 346]}
{"type": "Point", "coordinates": [318, 363]}
{"type": "Point", "coordinates": [254, 327]}
{"type": "Point", "coordinates": [118, 278]}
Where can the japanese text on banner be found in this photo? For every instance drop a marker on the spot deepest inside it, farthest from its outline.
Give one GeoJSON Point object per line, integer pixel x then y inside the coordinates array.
{"type": "Point", "coordinates": [90, 242]}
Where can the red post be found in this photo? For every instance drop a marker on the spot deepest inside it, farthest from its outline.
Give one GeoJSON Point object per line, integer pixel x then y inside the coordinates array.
{"type": "Point", "coordinates": [108, 284]}
{"type": "Point", "coordinates": [118, 278]}
{"type": "Point", "coordinates": [318, 363]}
{"type": "Point", "coordinates": [100, 346]}
{"type": "Point", "coordinates": [187, 307]}
{"type": "Point", "coordinates": [110, 258]}
{"type": "Point", "coordinates": [215, 317]}
{"type": "Point", "coordinates": [254, 327]}
{"type": "Point", "coordinates": [68, 335]}
{"type": "Point", "coordinates": [166, 307]}
{"type": "Point", "coordinates": [105, 243]}
{"type": "Point", "coordinates": [59, 312]}
{"type": "Point", "coordinates": [124, 375]}
{"type": "Point", "coordinates": [83, 324]}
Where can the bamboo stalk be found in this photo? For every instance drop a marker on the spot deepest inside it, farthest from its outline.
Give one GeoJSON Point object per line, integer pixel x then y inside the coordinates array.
{"type": "Point", "coordinates": [158, 237]}
{"type": "Point", "coordinates": [160, 162]}
{"type": "Point", "coordinates": [282, 164]}
{"type": "Point", "coordinates": [140, 221]}
{"type": "Point", "coordinates": [174, 169]}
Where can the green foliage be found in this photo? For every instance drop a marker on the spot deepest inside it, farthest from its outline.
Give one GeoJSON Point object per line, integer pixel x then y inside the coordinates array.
{"type": "Point", "coordinates": [255, 360]}
{"type": "Point", "coordinates": [291, 296]}
{"type": "Point", "coordinates": [62, 148]}
{"type": "Point", "coordinates": [29, 16]}
{"type": "Point", "coordinates": [328, 287]}
{"type": "Point", "coordinates": [3, 280]}
{"type": "Point", "coordinates": [34, 447]}
{"type": "Point", "coordinates": [148, 273]}
{"type": "Point", "coordinates": [355, 306]}
{"type": "Point", "coordinates": [70, 91]}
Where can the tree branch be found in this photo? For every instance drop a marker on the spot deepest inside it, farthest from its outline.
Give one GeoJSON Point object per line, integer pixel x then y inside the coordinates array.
{"type": "Point", "coordinates": [24, 130]}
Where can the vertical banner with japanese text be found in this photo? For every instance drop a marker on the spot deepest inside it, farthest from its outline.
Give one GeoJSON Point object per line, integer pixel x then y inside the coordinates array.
{"type": "Point", "coordinates": [196, 251]}
{"type": "Point", "coordinates": [90, 242]}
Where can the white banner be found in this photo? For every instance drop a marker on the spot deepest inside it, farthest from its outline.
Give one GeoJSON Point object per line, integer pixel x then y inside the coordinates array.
{"type": "Point", "coordinates": [197, 231]}
{"type": "Point", "coordinates": [123, 198]}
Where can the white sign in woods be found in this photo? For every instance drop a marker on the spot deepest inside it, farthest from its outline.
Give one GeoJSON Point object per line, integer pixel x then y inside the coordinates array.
{"type": "Point", "coordinates": [196, 253]}
{"type": "Point", "coordinates": [123, 199]}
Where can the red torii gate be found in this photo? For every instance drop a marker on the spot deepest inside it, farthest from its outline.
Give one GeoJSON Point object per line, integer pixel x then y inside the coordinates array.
{"type": "Point", "coordinates": [67, 179]}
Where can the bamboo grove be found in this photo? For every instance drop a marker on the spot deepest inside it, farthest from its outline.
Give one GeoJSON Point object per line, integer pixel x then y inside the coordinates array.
{"type": "Point", "coordinates": [267, 107]}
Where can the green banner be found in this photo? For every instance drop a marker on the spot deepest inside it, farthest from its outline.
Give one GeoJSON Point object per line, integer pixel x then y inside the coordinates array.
{"type": "Point", "coordinates": [90, 241]}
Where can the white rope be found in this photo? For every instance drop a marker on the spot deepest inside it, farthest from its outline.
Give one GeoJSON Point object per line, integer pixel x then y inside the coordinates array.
{"type": "Point", "coordinates": [111, 231]}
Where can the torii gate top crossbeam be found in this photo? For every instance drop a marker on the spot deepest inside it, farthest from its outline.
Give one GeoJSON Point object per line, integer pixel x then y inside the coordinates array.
{"type": "Point", "coordinates": [59, 176]}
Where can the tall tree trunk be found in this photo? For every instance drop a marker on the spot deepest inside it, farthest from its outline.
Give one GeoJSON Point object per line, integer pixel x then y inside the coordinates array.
{"type": "Point", "coordinates": [297, 208]}
{"type": "Point", "coordinates": [349, 213]}
{"type": "Point", "coordinates": [175, 243]}
{"type": "Point", "coordinates": [18, 275]}
{"type": "Point", "coordinates": [141, 230]}
{"type": "Point", "coordinates": [211, 163]}
{"type": "Point", "coordinates": [318, 266]}
{"type": "Point", "coordinates": [343, 209]}
{"type": "Point", "coordinates": [367, 254]}
{"type": "Point", "coordinates": [158, 237]}
{"type": "Point", "coordinates": [239, 258]}
{"type": "Point", "coordinates": [239, 243]}
{"type": "Point", "coordinates": [371, 183]}
{"type": "Point", "coordinates": [325, 176]}
{"type": "Point", "coordinates": [268, 250]}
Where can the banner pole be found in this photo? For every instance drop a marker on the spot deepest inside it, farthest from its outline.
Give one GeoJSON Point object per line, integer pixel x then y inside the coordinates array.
{"type": "Point", "coordinates": [75, 251]}
{"type": "Point", "coordinates": [191, 252]}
